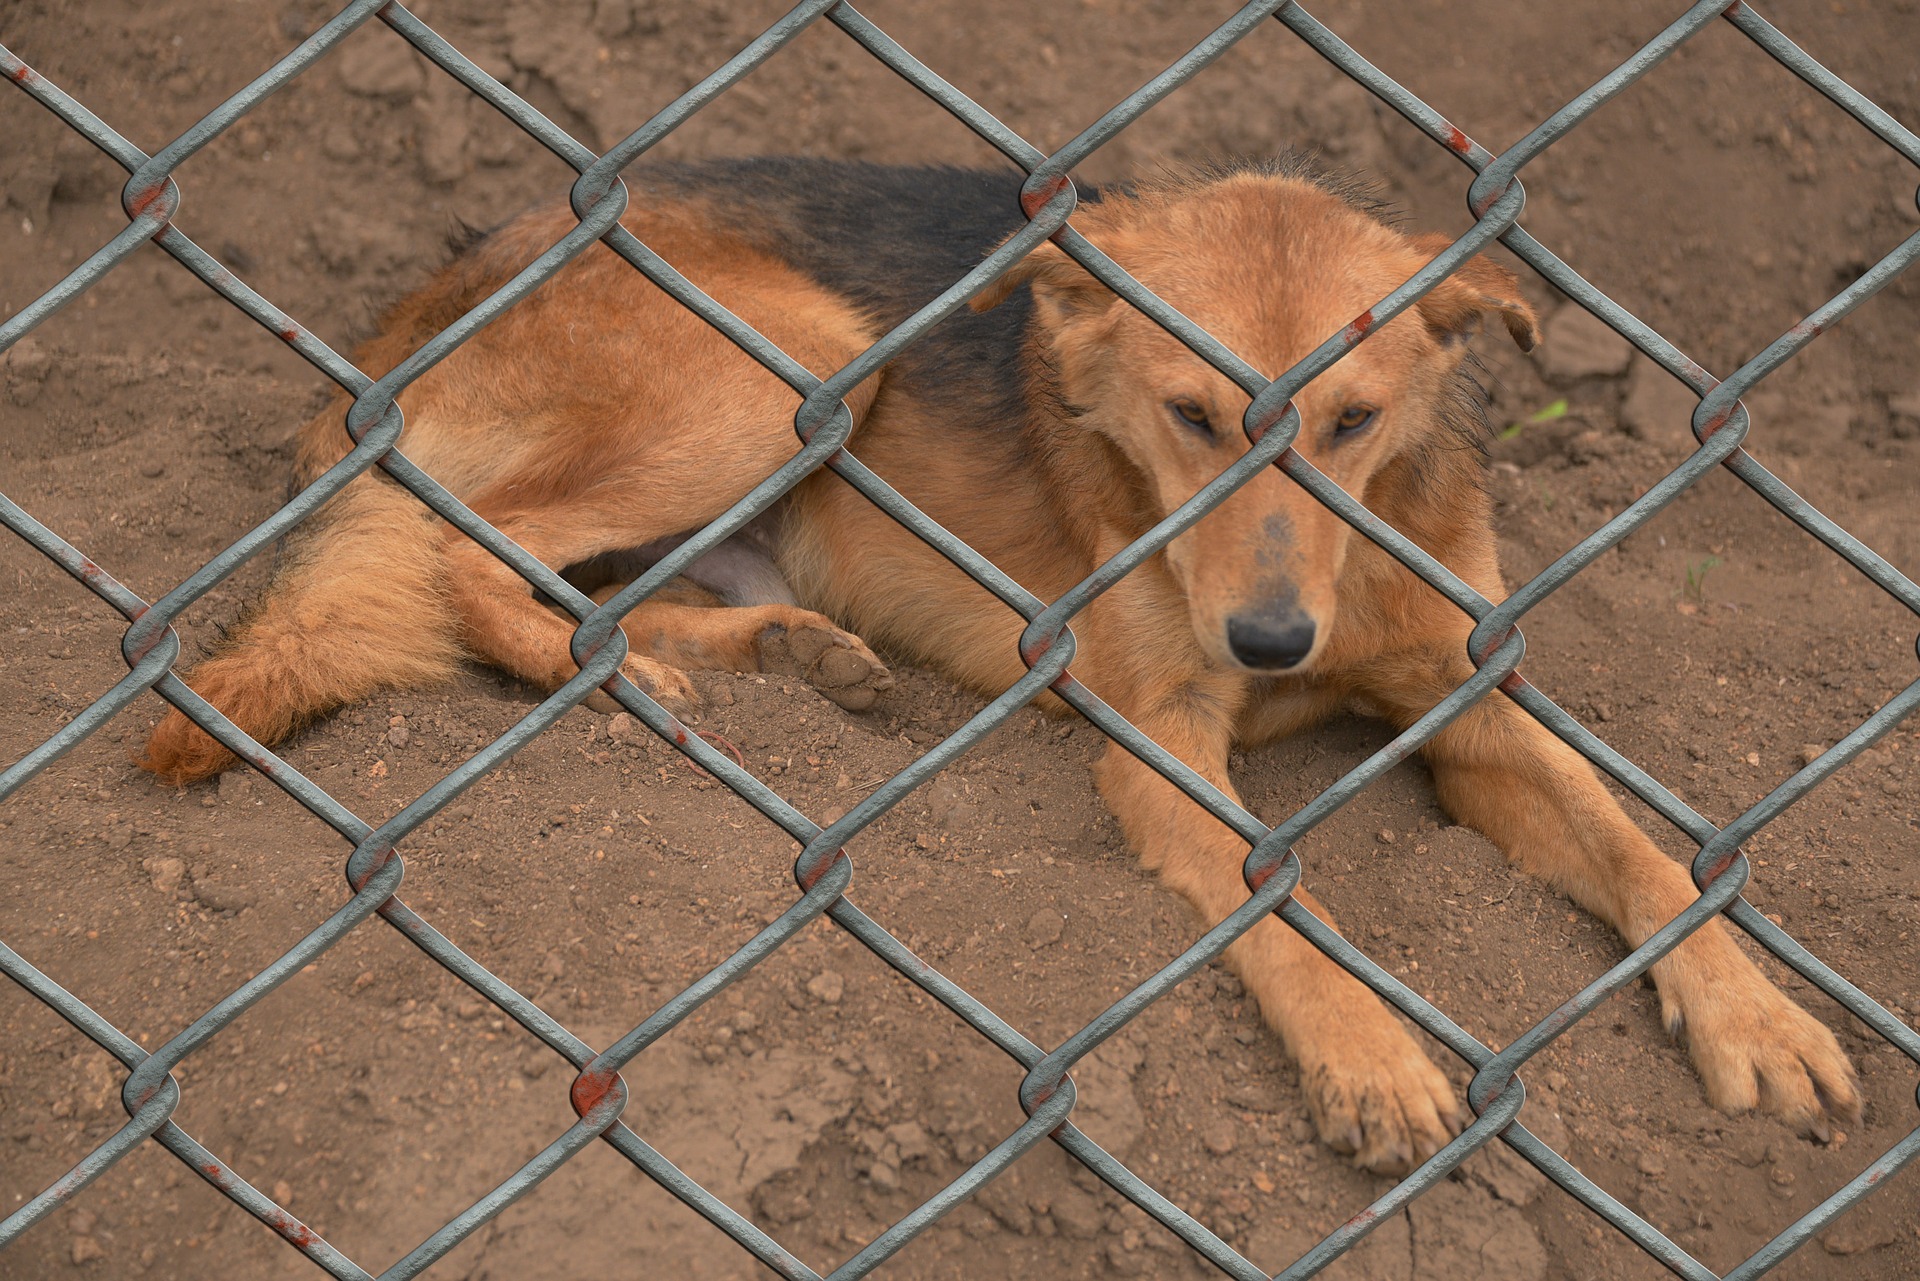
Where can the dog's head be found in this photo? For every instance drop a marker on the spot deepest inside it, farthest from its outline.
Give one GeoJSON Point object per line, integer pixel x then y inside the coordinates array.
{"type": "Point", "coordinates": [1272, 263]}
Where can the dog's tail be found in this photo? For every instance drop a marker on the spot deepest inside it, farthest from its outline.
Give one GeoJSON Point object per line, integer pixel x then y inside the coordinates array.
{"type": "Point", "coordinates": [358, 603]}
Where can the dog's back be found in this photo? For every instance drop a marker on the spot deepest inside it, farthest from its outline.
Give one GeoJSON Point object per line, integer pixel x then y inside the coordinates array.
{"type": "Point", "coordinates": [890, 240]}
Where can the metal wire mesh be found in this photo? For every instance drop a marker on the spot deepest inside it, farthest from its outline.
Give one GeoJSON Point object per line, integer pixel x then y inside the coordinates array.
{"type": "Point", "coordinates": [824, 873]}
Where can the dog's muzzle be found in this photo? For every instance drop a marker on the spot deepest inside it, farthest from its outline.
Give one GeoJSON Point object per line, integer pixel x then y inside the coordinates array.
{"type": "Point", "coordinates": [1271, 642]}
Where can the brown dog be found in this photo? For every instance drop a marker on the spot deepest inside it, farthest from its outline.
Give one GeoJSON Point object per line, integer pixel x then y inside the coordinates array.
{"type": "Point", "coordinates": [599, 417]}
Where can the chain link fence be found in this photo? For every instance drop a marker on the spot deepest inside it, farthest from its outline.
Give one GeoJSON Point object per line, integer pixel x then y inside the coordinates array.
{"type": "Point", "coordinates": [375, 869]}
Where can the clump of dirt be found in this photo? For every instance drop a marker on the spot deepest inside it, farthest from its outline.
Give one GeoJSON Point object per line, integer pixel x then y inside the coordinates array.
{"type": "Point", "coordinates": [823, 1095]}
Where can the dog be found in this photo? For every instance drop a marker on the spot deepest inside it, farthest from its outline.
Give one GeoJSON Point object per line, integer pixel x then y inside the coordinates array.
{"type": "Point", "coordinates": [598, 422]}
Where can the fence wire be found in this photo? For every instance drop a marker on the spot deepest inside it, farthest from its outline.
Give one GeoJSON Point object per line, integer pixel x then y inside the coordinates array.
{"type": "Point", "coordinates": [823, 872]}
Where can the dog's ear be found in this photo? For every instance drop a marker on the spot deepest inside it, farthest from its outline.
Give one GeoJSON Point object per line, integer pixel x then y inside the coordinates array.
{"type": "Point", "coordinates": [1063, 288]}
{"type": "Point", "coordinates": [1480, 287]}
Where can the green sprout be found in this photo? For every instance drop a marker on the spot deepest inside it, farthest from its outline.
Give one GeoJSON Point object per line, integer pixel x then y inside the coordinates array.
{"type": "Point", "coordinates": [1546, 414]}
{"type": "Point", "coordinates": [1695, 589]}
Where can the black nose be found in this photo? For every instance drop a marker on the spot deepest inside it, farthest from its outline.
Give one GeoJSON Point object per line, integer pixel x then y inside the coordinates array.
{"type": "Point", "coordinates": [1270, 642]}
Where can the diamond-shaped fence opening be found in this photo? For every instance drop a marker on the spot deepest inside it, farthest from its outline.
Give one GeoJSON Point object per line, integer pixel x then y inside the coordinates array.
{"type": "Point", "coordinates": [824, 872]}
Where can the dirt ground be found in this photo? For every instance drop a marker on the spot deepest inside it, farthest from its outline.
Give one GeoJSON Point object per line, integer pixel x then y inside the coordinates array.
{"type": "Point", "coordinates": [375, 1097]}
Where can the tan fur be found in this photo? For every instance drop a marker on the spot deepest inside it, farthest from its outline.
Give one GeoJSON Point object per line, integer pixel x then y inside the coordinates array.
{"type": "Point", "coordinates": [580, 438]}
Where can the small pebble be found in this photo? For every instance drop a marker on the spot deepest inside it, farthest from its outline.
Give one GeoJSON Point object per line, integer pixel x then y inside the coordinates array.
{"type": "Point", "coordinates": [166, 873]}
{"type": "Point", "coordinates": [1044, 927]}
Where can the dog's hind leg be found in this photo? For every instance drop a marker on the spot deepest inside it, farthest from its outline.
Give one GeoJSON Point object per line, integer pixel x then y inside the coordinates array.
{"type": "Point", "coordinates": [504, 625]}
{"type": "Point", "coordinates": [359, 603]}
{"type": "Point", "coordinates": [757, 626]}
{"type": "Point", "coordinates": [761, 638]}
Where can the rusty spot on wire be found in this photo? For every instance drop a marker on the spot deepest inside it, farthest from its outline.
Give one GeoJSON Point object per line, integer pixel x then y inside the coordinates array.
{"type": "Point", "coordinates": [1031, 652]}
{"type": "Point", "coordinates": [295, 1233]}
{"type": "Point", "coordinates": [590, 1088]}
{"type": "Point", "coordinates": [146, 198]}
{"type": "Point", "coordinates": [1035, 199]}
{"type": "Point", "coordinates": [1715, 423]}
{"type": "Point", "coordinates": [812, 878]}
{"type": "Point", "coordinates": [1718, 867]}
{"type": "Point", "coordinates": [1260, 875]}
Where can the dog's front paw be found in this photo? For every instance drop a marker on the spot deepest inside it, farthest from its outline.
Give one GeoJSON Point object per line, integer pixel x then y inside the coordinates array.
{"type": "Point", "coordinates": [1376, 1097]}
{"type": "Point", "coordinates": [834, 662]}
{"type": "Point", "coordinates": [1755, 1048]}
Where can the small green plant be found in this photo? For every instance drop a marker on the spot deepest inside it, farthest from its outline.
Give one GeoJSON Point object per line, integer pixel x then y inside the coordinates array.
{"type": "Point", "coordinates": [1545, 414]}
{"type": "Point", "coordinates": [1694, 590]}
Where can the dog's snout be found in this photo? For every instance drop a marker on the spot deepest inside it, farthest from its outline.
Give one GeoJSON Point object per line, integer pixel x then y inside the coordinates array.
{"type": "Point", "coordinates": [1271, 641]}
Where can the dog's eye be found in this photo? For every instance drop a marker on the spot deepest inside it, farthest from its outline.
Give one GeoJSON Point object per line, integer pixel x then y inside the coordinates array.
{"type": "Point", "coordinates": [1353, 418]}
{"type": "Point", "coordinates": [1192, 414]}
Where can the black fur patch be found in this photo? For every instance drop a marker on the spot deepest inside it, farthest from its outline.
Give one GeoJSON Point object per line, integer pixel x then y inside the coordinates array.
{"type": "Point", "coordinates": [463, 236]}
{"type": "Point", "coordinates": [890, 240]}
